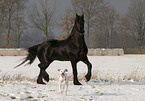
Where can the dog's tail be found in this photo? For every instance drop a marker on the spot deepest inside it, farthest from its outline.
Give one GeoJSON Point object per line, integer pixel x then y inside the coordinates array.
{"type": "Point", "coordinates": [32, 53]}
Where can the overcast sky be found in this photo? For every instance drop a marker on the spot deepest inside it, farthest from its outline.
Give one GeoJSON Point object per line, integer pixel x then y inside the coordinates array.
{"type": "Point", "coordinates": [121, 6]}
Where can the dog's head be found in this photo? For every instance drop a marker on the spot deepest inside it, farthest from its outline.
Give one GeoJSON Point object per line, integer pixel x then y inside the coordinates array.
{"type": "Point", "coordinates": [62, 73]}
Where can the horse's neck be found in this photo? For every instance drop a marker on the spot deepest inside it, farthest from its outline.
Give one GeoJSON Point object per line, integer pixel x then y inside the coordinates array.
{"type": "Point", "coordinates": [75, 34]}
{"type": "Point", "coordinates": [77, 38]}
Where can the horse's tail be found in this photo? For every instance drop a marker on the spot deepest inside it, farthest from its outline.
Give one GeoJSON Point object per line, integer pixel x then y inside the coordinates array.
{"type": "Point", "coordinates": [32, 53]}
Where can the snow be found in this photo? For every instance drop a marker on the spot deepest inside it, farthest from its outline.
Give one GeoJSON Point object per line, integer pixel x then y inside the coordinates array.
{"type": "Point", "coordinates": [107, 83]}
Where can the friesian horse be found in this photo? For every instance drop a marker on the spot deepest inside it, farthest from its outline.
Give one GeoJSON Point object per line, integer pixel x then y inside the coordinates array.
{"type": "Point", "coordinates": [72, 49]}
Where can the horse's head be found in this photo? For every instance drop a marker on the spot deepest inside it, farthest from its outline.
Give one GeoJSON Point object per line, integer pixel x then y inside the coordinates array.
{"type": "Point", "coordinates": [80, 23]}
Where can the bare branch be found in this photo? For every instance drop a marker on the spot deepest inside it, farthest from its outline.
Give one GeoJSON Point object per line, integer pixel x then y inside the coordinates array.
{"type": "Point", "coordinates": [42, 18]}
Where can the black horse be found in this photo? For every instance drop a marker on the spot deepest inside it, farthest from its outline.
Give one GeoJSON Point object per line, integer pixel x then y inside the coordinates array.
{"type": "Point", "coordinates": [71, 49]}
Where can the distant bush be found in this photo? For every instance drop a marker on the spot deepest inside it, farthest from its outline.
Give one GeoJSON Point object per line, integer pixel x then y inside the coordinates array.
{"type": "Point", "coordinates": [140, 50]}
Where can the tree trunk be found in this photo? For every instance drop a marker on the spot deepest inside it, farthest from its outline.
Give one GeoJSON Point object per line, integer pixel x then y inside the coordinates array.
{"type": "Point", "coordinates": [18, 30]}
{"type": "Point", "coordinates": [88, 32]}
{"type": "Point", "coordinates": [107, 38]}
{"type": "Point", "coordinates": [18, 37]}
{"type": "Point", "coordinates": [46, 26]}
{"type": "Point", "coordinates": [8, 35]}
{"type": "Point", "coordinates": [111, 44]}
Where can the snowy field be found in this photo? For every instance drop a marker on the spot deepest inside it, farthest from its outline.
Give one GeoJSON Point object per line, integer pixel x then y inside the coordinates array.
{"type": "Point", "coordinates": [115, 78]}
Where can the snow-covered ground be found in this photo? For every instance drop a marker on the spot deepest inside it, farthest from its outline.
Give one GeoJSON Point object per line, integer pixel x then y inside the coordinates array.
{"type": "Point", "coordinates": [113, 80]}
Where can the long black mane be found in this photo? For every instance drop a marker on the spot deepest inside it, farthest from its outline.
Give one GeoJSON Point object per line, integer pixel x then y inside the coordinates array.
{"type": "Point", "coordinates": [72, 49]}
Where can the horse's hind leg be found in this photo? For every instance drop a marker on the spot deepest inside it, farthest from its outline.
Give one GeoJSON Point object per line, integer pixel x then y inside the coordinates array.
{"type": "Point", "coordinates": [43, 73]}
{"type": "Point", "coordinates": [43, 67]}
{"type": "Point", "coordinates": [39, 79]}
{"type": "Point", "coordinates": [88, 76]}
{"type": "Point", "coordinates": [46, 76]}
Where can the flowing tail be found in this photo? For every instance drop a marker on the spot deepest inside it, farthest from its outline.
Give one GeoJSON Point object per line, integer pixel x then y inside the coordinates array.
{"type": "Point", "coordinates": [32, 53]}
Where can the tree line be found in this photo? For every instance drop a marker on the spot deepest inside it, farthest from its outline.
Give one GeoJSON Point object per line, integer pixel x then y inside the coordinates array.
{"type": "Point", "coordinates": [104, 26]}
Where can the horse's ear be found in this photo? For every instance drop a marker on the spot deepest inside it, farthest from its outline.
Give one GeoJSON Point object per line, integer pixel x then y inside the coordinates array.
{"type": "Point", "coordinates": [77, 15]}
{"type": "Point", "coordinates": [83, 15]}
{"type": "Point", "coordinates": [58, 69]}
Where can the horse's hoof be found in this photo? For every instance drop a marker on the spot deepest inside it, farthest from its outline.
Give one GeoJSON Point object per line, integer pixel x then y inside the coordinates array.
{"type": "Point", "coordinates": [46, 79]}
{"type": "Point", "coordinates": [41, 82]}
{"type": "Point", "coordinates": [87, 78]}
{"type": "Point", "coordinates": [77, 83]}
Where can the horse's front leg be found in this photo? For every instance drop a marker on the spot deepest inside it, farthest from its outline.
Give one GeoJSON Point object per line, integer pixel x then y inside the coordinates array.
{"type": "Point", "coordinates": [75, 73]}
{"type": "Point", "coordinates": [89, 65]}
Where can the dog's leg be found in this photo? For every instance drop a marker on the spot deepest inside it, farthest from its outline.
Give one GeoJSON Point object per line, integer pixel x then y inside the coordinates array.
{"type": "Point", "coordinates": [59, 87]}
{"type": "Point", "coordinates": [66, 87]}
{"type": "Point", "coordinates": [63, 88]}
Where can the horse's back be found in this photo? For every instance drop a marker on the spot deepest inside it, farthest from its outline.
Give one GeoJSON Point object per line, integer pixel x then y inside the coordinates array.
{"type": "Point", "coordinates": [63, 50]}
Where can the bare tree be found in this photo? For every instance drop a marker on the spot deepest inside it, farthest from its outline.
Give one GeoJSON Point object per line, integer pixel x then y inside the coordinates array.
{"type": "Point", "coordinates": [2, 11]}
{"type": "Point", "coordinates": [42, 16]}
{"type": "Point", "coordinates": [105, 24]}
{"type": "Point", "coordinates": [90, 8]}
{"type": "Point", "coordinates": [2, 24]}
{"type": "Point", "coordinates": [8, 9]}
{"type": "Point", "coordinates": [67, 22]}
{"type": "Point", "coordinates": [136, 17]}
{"type": "Point", "coordinates": [10, 16]}
{"type": "Point", "coordinates": [20, 23]}
{"type": "Point", "coordinates": [123, 27]}
{"type": "Point", "coordinates": [123, 30]}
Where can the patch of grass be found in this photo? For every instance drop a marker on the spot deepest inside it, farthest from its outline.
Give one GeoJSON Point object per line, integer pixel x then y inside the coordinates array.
{"type": "Point", "coordinates": [91, 99]}
{"type": "Point", "coordinates": [15, 77]}
{"type": "Point", "coordinates": [97, 75]}
{"type": "Point", "coordinates": [12, 97]}
{"type": "Point", "coordinates": [34, 100]}
{"type": "Point", "coordinates": [29, 97]}
{"type": "Point", "coordinates": [82, 98]}
{"type": "Point", "coordinates": [119, 54]}
{"type": "Point", "coordinates": [135, 75]}
{"type": "Point", "coordinates": [52, 79]}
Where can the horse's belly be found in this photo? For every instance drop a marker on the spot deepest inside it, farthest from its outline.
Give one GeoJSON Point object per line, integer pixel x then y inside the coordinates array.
{"type": "Point", "coordinates": [60, 56]}
{"type": "Point", "coordinates": [82, 54]}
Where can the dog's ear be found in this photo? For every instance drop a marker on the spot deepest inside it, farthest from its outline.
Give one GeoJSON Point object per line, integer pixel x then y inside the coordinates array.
{"type": "Point", "coordinates": [66, 70]}
{"type": "Point", "coordinates": [58, 69]}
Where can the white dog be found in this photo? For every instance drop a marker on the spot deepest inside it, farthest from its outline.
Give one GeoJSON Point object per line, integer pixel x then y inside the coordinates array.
{"type": "Point", "coordinates": [63, 81]}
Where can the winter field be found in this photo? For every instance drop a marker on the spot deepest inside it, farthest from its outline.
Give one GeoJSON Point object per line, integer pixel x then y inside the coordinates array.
{"type": "Point", "coordinates": [115, 78]}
